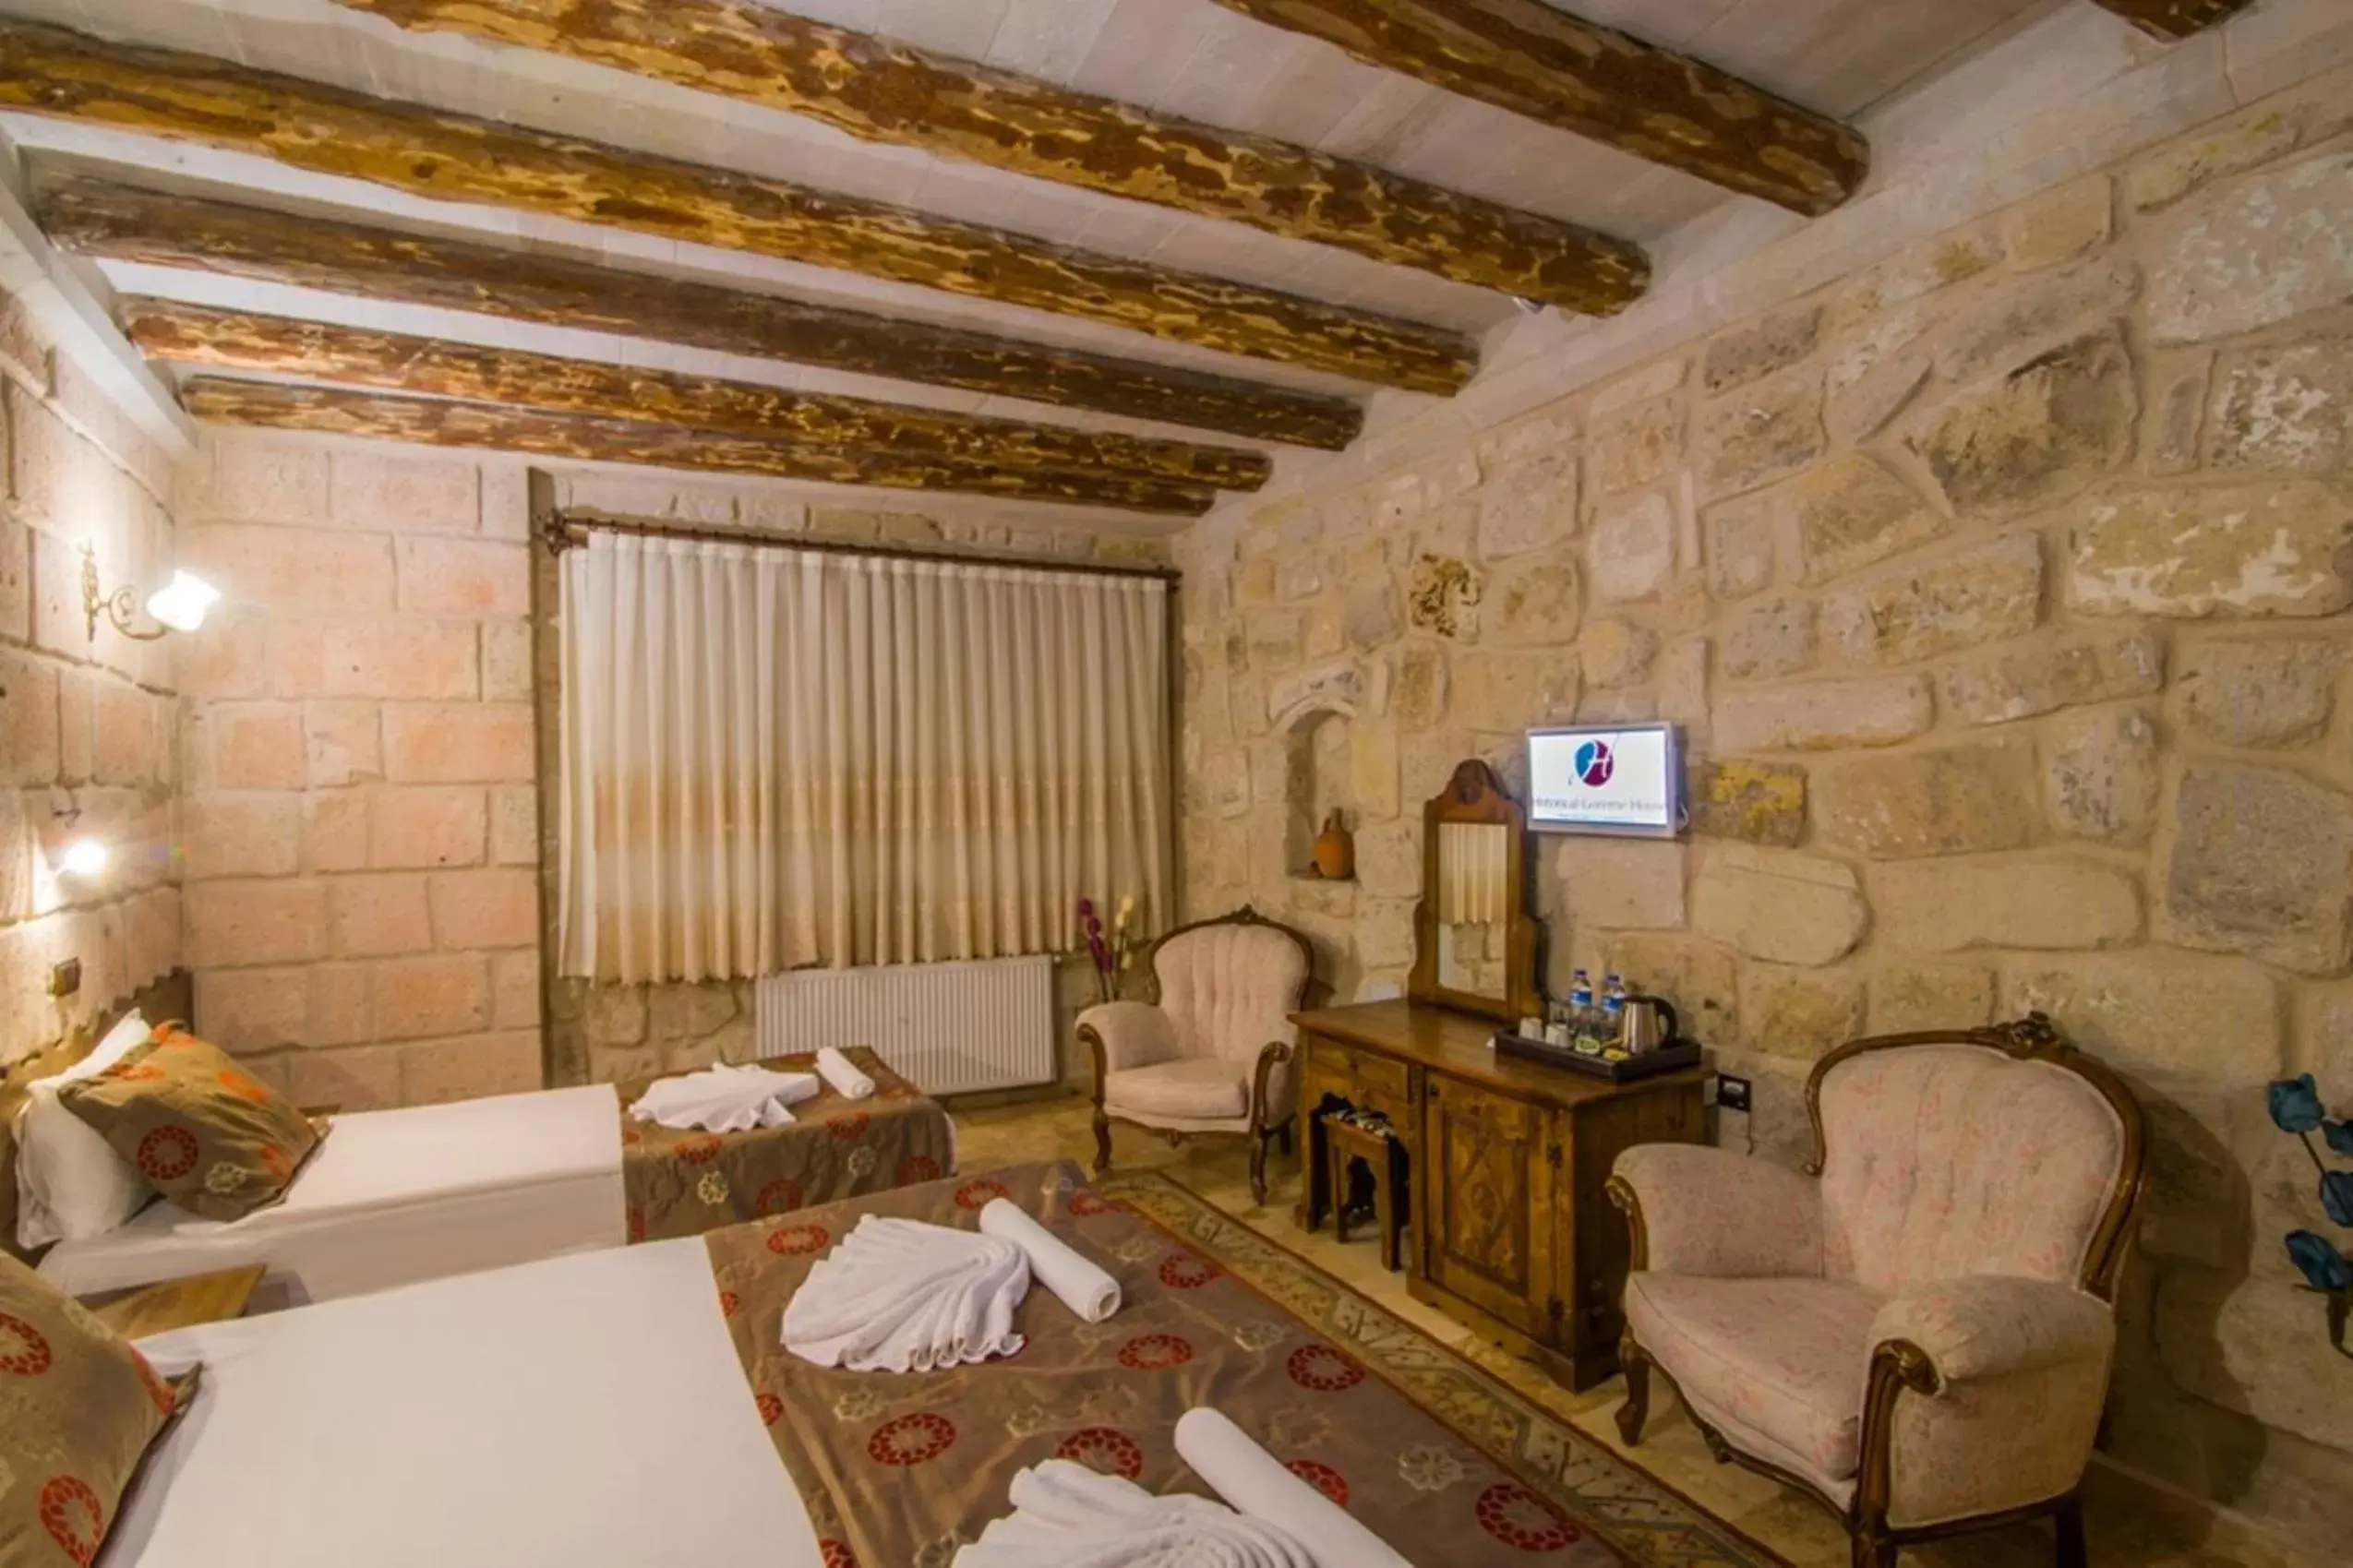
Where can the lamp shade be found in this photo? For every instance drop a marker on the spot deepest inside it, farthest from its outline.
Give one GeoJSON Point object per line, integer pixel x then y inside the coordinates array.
{"type": "Point", "coordinates": [181, 603]}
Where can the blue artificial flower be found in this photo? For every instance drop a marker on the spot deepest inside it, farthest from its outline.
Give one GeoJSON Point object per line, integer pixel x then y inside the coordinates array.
{"type": "Point", "coordinates": [2336, 1195]}
{"type": "Point", "coordinates": [2295, 1104]}
{"type": "Point", "coordinates": [2320, 1261]}
{"type": "Point", "coordinates": [2339, 1135]}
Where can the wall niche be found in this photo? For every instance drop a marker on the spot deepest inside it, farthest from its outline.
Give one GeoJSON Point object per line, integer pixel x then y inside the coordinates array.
{"type": "Point", "coordinates": [1315, 784]}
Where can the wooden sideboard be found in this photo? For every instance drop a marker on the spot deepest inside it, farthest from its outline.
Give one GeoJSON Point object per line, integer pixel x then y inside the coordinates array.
{"type": "Point", "coordinates": [1512, 1232]}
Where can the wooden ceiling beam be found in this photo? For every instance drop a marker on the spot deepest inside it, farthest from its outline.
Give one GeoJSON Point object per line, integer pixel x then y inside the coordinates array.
{"type": "Point", "coordinates": [216, 339]}
{"type": "Point", "coordinates": [115, 222]}
{"type": "Point", "coordinates": [1525, 56]}
{"type": "Point", "coordinates": [2174, 19]}
{"type": "Point", "coordinates": [56, 72]}
{"type": "Point", "coordinates": [338, 410]}
{"type": "Point", "coordinates": [883, 91]}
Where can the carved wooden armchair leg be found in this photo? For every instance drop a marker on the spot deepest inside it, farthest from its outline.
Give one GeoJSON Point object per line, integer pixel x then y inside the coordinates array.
{"type": "Point", "coordinates": [1262, 1130]}
{"type": "Point", "coordinates": [1637, 1408]}
{"type": "Point", "coordinates": [2072, 1551]}
{"type": "Point", "coordinates": [1089, 1037]}
{"type": "Point", "coordinates": [1630, 1358]}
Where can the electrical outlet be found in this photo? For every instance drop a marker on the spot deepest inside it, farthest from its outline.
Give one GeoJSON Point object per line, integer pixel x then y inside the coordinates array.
{"type": "Point", "coordinates": [1731, 1094]}
{"type": "Point", "coordinates": [65, 978]}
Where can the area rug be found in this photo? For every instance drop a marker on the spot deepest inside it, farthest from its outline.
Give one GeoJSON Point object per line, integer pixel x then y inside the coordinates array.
{"type": "Point", "coordinates": [1649, 1523]}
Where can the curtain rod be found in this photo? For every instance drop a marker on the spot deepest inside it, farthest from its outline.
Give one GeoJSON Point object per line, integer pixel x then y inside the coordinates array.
{"type": "Point", "coordinates": [561, 530]}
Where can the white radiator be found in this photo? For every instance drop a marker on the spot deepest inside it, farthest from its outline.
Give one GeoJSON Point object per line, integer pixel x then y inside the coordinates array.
{"type": "Point", "coordinates": [947, 1028]}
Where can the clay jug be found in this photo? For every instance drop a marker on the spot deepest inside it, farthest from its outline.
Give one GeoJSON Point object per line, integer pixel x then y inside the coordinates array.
{"type": "Point", "coordinates": [1336, 850]}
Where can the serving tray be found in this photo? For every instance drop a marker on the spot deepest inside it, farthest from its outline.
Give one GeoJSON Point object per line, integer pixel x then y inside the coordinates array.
{"type": "Point", "coordinates": [1650, 1064]}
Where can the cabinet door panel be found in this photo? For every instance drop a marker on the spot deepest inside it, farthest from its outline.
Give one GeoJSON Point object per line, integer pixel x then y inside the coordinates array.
{"type": "Point", "coordinates": [1596, 1243]}
{"type": "Point", "coordinates": [1490, 1202]}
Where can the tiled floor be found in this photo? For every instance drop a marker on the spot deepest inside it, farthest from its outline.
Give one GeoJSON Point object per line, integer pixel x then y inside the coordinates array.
{"type": "Point", "coordinates": [2129, 1523]}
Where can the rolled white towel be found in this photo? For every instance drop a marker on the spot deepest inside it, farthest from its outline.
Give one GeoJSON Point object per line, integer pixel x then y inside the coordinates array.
{"type": "Point", "coordinates": [1083, 1286]}
{"type": "Point", "coordinates": [1066, 1515]}
{"type": "Point", "coordinates": [1252, 1480]}
{"type": "Point", "coordinates": [843, 1075]}
{"type": "Point", "coordinates": [897, 1296]}
{"type": "Point", "coordinates": [723, 1098]}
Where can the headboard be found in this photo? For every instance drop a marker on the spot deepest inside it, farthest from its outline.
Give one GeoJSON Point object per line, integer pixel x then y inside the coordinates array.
{"type": "Point", "coordinates": [163, 999]}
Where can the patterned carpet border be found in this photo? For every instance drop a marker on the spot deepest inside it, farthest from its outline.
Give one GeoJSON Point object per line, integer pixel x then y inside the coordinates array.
{"type": "Point", "coordinates": [1648, 1522]}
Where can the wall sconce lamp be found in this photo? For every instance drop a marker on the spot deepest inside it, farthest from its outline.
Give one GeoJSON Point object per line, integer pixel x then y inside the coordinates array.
{"type": "Point", "coordinates": [85, 857]}
{"type": "Point", "coordinates": [178, 606]}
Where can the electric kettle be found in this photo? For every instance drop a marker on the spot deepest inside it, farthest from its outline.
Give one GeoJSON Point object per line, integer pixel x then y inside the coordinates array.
{"type": "Point", "coordinates": [1647, 1024]}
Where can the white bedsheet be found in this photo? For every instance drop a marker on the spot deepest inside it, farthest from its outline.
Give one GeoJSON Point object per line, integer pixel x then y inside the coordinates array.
{"type": "Point", "coordinates": [579, 1412]}
{"type": "Point", "coordinates": [393, 1197]}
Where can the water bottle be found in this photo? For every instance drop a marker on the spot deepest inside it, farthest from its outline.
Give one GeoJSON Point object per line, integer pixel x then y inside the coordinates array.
{"type": "Point", "coordinates": [1584, 1018]}
{"type": "Point", "coordinates": [1612, 1008]}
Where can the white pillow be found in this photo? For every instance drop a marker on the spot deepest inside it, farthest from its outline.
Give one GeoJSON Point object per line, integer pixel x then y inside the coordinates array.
{"type": "Point", "coordinates": [71, 1185]}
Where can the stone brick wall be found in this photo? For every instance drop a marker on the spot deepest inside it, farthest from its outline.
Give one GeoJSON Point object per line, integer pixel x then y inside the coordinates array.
{"type": "Point", "coordinates": [359, 828]}
{"type": "Point", "coordinates": [2002, 592]}
{"type": "Point", "coordinates": [601, 1034]}
{"type": "Point", "coordinates": [370, 775]}
{"type": "Point", "coordinates": [85, 726]}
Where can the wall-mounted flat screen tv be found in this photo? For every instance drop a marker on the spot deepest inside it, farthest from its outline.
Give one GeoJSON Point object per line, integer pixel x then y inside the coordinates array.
{"type": "Point", "coordinates": [1606, 779]}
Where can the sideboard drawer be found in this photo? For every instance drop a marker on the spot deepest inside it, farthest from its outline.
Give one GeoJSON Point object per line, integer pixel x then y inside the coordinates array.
{"type": "Point", "coordinates": [1375, 1074]}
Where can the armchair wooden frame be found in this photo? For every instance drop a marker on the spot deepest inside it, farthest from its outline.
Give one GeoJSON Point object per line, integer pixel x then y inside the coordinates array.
{"type": "Point", "coordinates": [1263, 1130]}
{"type": "Point", "coordinates": [1897, 1366]}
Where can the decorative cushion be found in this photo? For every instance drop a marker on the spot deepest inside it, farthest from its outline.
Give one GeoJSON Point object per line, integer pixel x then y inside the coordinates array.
{"type": "Point", "coordinates": [78, 1409]}
{"type": "Point", "coordinates": [1197, 1088]}
{"type": "Point", "coordinates": [211, 1136]}
{"type": "Point", "coordinates": [70, 1184]}
{"type": "Point", "coordinates": [1787, 1358]}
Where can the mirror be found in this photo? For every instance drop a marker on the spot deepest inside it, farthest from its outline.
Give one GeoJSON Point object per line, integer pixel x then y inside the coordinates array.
{"type": "Point", "coordinates": [1473, 879]}
{"type": "Point", "coordinates": [1475, 942]}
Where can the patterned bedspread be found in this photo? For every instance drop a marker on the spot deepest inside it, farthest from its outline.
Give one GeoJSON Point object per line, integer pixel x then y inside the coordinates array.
{"type": "Point", "coordinates": [684, 1183]}
{"type": "Point", "coordinates": [898, 1471]}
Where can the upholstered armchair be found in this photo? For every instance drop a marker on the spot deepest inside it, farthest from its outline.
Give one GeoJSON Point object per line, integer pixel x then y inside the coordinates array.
{"type": "Point", "coordinates": [1210, 1052]}
{"type": "Point", "coordinates": [1917, 1329]}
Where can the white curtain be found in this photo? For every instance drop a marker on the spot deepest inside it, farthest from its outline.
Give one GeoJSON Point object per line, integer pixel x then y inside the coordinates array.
{"type": "Point", "coordinates": [775, 757]}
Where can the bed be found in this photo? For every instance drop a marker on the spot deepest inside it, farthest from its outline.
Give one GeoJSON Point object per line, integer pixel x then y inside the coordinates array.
{"type": "Point", "coordinates": [519, 1416]}
{"type": "Point", "coordinates": [684, 1183]}
{"type": "Point", "coordinates": [399, 1196]}
{"type": "Point", "coordinates": [393, 1197]}
{"type": "Point", "coordinates": [630, 1406]}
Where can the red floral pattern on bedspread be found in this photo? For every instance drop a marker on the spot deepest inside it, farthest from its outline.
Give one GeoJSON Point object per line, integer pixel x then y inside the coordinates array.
{"type": "Point", "coordinates": [686, 1181]}
{"type": "Point", "coordinates": [861, 1447]}
{"type": "Point", "coordinates": [1103, 1448]}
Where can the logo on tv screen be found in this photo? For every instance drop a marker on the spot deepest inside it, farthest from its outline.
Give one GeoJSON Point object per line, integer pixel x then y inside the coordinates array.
{"type": "Point", "coordinates": [1606, 779]}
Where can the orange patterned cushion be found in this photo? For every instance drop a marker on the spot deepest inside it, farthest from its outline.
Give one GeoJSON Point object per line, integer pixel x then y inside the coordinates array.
{"type": "Point", "coordinates": [211, 1136]}
{"type": "Point", "coordinates": [78, 1409]}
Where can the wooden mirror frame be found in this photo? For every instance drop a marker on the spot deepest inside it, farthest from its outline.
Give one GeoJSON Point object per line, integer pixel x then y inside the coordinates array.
{"type": "Point", "coordinates": [1476, 795]}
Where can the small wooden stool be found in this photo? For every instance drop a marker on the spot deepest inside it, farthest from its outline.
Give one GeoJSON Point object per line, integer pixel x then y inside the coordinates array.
{"type": "Point", "coordinates": [1351, 1145]}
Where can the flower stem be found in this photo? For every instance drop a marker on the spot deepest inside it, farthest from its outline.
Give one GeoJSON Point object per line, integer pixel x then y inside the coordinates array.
{"type": "Point", "coordinates": [2318, 1164]}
